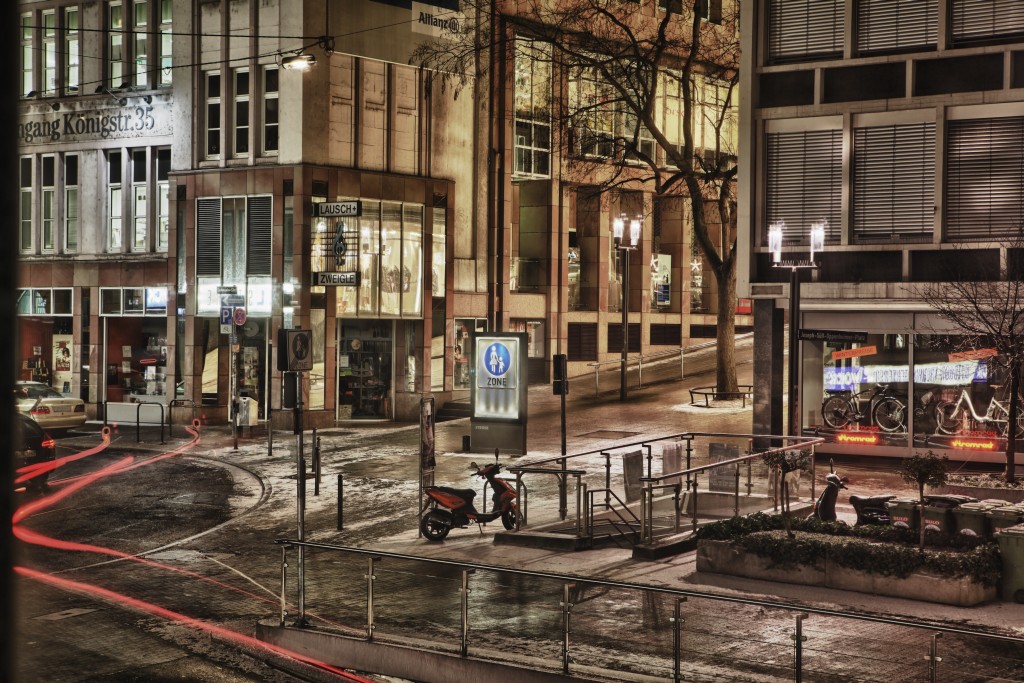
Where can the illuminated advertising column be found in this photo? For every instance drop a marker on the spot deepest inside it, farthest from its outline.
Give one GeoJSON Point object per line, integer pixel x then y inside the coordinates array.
{"type": "Point", "coordinates": [499, 392]}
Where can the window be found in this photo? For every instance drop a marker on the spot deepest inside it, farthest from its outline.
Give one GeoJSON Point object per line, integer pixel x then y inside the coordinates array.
{"type": "Point", "coordinates": [140, 200]}
{"type": "Point", "coordinates": [412, 259]}
{"type": "Point", "coordinates": [532, 109]}
{"type": "Point", "coordinates": [439, 260]}
{"type": "Point", "coordinates": [27, 56]}
{"type": "Point", "coordinates": [896, 25]}
{"type": "Point", "coordinates": [48, 201]}
{"type": "Point", "coordinates": [208, 234]}
{"type": "Point", "coordinates": [986, 21]}
{"type": "Point", "coordinates": [115, 45]}
{"type": "Point", "coordinates": [804, 183]}
{"type": "Point", "coordinates": [213, 115]}
{"type": "Point", "coordinates": [602, 126]}
{"type": "Point", "coordinates": [716, 118]}
{"type": "Point", "coordinates": [140, 57]}
{"type": "Point", "coordinates": [49, 53]}
{"type": "Point", "coordinates": [163, 198]}
{"type": "Point", "coordinates": [72, 51]}
{"type": "Point", "coordinates": [115, 237]}
{"type": "Point", "coordinates": [71, 203]}
{"type": "Point", "coordinates": [804, 30]}
{"type": "Point", "coordinates": [25, 205]}
{"type": "Point", "coordinates": [984, 178]}
{"type": "Point", "coordinates": [241, 113]}
{"type": "Point", "coordinates": [671, 6]}
{"type": "Point", "coordinates": [894, 183]}
{"type": "Point", "coordinates": [582, 342]}
{"type": "Point", "coordinates": [270, 112]}
{"type": "Point", "coordinates": [711, 11]}
{"type": "Point", "coordinates": [259, 237]}
{"type": "Point", "coordinates": [166, 65]}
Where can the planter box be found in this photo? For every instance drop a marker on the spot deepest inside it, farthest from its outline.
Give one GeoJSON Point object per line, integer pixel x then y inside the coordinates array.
{"type": "Point", "coordinates": [723, 557]}
{"type": "Point", "coordinates": [981, 492]}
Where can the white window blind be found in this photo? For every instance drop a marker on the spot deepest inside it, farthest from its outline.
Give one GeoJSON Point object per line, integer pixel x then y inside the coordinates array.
{"type": "Point", "coordinates": [894, 183]}
{"type": "Point", "coordinates": [984, 178]}
{"type": "Point", "coordinates": [801, 30]}
{"type": "Point", "coordinates": [208, 236]}
{"type": "Point", "coordinates": [805, 183]}
{"type": "Point", "coordinates": [896, 25]}
{"type": "Point", "coordinates": [259, 241]}
{"type": "Point", "coordinates": [980, 20]}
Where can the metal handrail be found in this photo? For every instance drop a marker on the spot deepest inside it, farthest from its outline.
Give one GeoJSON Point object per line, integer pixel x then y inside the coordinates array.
{"type": "Point", "coordinates": [677, 592]}
{"type": "Point", "coordinates": [138, 426]}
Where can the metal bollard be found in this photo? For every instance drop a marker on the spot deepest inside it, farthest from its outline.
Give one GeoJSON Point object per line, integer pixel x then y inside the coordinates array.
{"type": "Point", "coordinates": [799, 639]}
{"type": "Point", "coordinates": [934, 659]}
{"type": "Point", "coordinates": [341, 502]}
{"type": "Point", "coordinates": [284, 580]}
{"type": "Point", "coordinates": [677, 641]}
{"type": "Point", "coordinates": [370, 577]}
{"type": "Point", "coordinates": [465, 610]}
{"type": "Point", "coordinates": [316, 466]}
{"type": "Point", "coordinates": [566, 613]}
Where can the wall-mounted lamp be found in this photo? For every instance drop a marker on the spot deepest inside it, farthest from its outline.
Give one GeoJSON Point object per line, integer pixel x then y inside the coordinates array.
{"type": "Point", "coordinates": [120, 100]}
{"type": "Point", "coordinates": [55, 106]}
{"type": "Point", "coordinates": [299, 62]}
{"type": "Point", "coordinates": [148, 99]}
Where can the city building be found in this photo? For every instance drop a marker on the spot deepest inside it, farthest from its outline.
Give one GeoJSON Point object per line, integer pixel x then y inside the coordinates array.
{"type": "Point", "coordinates": [896, 128]}
{"type": "Point", "coordinates": [174, 159]}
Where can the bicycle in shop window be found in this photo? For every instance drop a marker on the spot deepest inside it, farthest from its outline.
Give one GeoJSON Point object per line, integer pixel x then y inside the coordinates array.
{"type": "Point", "coordinates": [953, 417]}
{"type": "Point", "coordinates": [842, 407]}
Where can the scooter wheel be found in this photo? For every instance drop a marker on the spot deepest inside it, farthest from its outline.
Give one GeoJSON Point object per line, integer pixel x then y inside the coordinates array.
{"type": "Point", "coordinates": [508, 519]}
{"type": "Point", "coordinates": [435, 525]}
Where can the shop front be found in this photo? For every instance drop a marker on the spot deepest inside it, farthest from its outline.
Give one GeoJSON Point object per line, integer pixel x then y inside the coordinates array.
{"type": "Point", "coordinates": [912, 386]}
{"type": "Point", "coordinates": [135, 353]}
{"type": "Point", "coordinates": [47, 349]}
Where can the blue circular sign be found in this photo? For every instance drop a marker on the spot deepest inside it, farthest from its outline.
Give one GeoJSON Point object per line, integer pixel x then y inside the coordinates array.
{"type": "Point", "coordinates": [497, 359]}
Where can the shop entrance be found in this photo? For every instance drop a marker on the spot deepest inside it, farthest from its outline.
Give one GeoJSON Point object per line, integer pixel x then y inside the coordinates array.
{"type": "Point", "coordinates": [252, 362]}
{"type": "Point", "coordinates": [365, 368]}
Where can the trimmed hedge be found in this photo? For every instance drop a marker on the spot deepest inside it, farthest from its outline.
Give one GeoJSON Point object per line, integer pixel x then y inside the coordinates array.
{"type": "Point", "coordinates": [884, 550]}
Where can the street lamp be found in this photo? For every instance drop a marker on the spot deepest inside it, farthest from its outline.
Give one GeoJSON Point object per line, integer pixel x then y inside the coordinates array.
{"type": "Point", "coordinates": [775, 232]}
{"type": "Point", "coordinates": [618, 230]}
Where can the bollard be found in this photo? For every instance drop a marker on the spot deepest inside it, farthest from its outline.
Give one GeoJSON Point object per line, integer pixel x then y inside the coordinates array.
{"type": "Point", "coordinates": [316, 465]}
{"type": "Point", "coordinates": [341, 502]}
{"type": "Point", "coordinates": [465, 443]}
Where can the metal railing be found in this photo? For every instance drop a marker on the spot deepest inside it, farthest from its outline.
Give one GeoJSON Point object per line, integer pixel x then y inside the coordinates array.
{"type": "Point", "coordinates": [667, 484]}
{"type": "Point", "coordinates": [620, 629]}
{"type": "Point", "coordinates": [637, 361]}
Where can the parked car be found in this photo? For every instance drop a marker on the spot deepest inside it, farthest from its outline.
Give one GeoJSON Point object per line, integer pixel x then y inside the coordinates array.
{"type": "Point", "coordinates": [32, 445]}
{"type": "Point", "coordinates": [48, 407]}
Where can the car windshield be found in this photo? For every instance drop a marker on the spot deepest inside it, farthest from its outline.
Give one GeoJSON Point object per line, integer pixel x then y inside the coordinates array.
{"type": "Point", "coordinates": [40, 391]}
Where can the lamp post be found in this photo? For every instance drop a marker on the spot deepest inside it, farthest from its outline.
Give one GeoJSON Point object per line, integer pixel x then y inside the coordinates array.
{"type": "Point", "coordinates": [775, 232]}
{"type": "Point", "coordinates": [618, 232]}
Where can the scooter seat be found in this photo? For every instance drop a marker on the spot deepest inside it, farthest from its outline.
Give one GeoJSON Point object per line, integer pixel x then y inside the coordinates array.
{"type": "Point", "coordinates": [466, 494]}
{"type": "Point", "coordinates": [870, 500]}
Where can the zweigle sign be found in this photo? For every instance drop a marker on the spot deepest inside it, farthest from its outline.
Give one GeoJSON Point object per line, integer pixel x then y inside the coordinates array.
{"type": "Point", "coordinates": [498, 377]}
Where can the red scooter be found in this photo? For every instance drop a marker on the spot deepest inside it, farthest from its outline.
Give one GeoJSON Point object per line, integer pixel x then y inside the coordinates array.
{"type": "Point", "coordinates": [454, 507]}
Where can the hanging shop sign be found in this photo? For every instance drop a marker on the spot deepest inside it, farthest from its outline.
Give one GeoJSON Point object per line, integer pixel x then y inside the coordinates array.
{"type": "Point", "coordinates": [974, 354]}
{"type": "Point", "coordinates": [855, 353]}
{"type": "Point", "coordinates": [350, 209]}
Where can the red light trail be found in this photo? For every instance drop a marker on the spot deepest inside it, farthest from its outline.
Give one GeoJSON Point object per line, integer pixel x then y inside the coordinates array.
{"type": "Point", "coordinates": [74, 484]}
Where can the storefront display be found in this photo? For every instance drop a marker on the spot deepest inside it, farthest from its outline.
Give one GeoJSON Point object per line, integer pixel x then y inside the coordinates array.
{"type": "Point", "coordinates": [463, 328]}
{"type": "Point", "coordinates": [135, 349]}
{"type": "Point", "coordinates": [45, 338]}
{"type": "Point", "coordinates": [365, 369]}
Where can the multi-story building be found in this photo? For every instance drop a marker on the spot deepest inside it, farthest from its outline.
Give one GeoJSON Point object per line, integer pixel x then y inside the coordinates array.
{"type": "Point", "coordinates": [898, 127]}
{"type": "Point", "coordinates": [175, 152]}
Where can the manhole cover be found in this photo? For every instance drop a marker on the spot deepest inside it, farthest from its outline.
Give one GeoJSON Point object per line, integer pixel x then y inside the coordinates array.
{"type": "Point", "coordinates": [608, 434]}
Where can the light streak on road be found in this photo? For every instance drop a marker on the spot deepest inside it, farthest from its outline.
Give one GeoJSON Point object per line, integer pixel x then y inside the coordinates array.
{"type": "Point", "coordinates": [170, 615]}
{"type": "Point", "coordinates": [31, 471]}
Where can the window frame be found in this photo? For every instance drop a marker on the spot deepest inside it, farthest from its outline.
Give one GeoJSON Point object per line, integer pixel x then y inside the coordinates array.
{"type": "Point", "coordinates": [28, 56]}
{"type": "Point", "coordinates": [48, 204]}
{"type": "Point", "coordinates": [26, 187]}
{"type": "Point", "coordinates": [271, 110]}
{"type": "Point", "coordinates": [241, 110]}
{"type": "Point", "coordinates": [71, 57]}
{"type": "Point", "coordinates": [70, 221]}
{"type": "Point", "coordinates": [115, 201]}
{"type": "Point", "coordinates": [212, 102]}
{"type": "Point", "coordinates": [139, 166]}
{"type": "Point", "coordinates": [49, 36]}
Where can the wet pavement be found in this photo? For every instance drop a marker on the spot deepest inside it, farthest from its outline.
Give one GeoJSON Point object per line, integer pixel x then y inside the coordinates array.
{"type": "Point", "coordinates": [204, 523]}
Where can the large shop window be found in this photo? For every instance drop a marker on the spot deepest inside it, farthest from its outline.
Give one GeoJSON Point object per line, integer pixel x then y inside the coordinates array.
{"type": "Point", "coordinates": [859, 397]}
{"type": "Point", "coordinates": [894, 183]}
{"type": "Point", "coordinates": [804, 30]}
{"type": "Point", "coordinates": [805, 183]}
{"type": "Point", "coordinates": [385, 247]}
{"type": "Point", "coordinates": [136, 344]}
{"type": "Point", "coordinates": [46, 344]}
{"type": "Point", "coordinates": [532, 108]}
{"type": "Point", "coordinates": [233, 248]}
{"type": "Point", "coordinates": [984, 178]}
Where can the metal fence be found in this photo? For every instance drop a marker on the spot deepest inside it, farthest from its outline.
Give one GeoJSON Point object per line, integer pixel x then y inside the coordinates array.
{"type": "Point", "coordinates": [591, 626]}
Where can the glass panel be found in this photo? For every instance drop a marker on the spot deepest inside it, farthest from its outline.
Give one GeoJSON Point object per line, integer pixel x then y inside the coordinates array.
{"type": "Point", "coordinates": [412, 260]}
{"type": "Point", "coordinates": [134, 301]}
{"type": "Point", "coordinates": [391, 275]}
{"type": "Point", "coordinates": [62, 301]}
{"type": "Point", "coordinates": [438, 260]}
{"type": "Point", "coordinates": [317, 384]}
{"type": "Point", "coordinates": [110, 302]}
{"type": "Point", "coordinates": [369, 257]}
{"type": "Point", "coordinates": [140, 236]}
{"type": "Point", "coordinates": [41, 301]}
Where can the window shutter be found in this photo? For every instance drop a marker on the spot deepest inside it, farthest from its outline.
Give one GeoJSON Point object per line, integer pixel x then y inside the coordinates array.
{"type": "Point", "coordinates": [208, 236]}
{"type": "Point", "coordinates": [805, 183]}
{"type": "Point", "coordinates": [258, 239]}
{"type": "Point", "coordinates": [984, 178]}
{"type": "Point", "coordinates": [582, 342]}
{"type": "Point", "coordinates": [982, 20]}
{"type": "Point", "coordinates": [800, 30]}
{"type": "Point", "coordinates": [894, 183]}
{"type": "Point", "coordinates": [895, 25]}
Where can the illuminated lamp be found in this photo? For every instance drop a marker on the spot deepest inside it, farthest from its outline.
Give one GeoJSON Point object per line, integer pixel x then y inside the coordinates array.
{"type": "Point", "coordinates": [148, 361]}
{"type": "Point", "coordinates": [299, 62]}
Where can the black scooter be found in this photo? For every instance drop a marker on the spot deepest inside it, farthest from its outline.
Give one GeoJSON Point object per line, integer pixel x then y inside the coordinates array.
{"type": "Point", "coordinates": [825, 506]}
{"type": "Point", "coordinates": [871, 509]}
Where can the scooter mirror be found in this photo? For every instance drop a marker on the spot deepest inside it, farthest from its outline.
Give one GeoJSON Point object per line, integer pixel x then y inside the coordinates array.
{"type": "Point", "coordinates": [473, 466]}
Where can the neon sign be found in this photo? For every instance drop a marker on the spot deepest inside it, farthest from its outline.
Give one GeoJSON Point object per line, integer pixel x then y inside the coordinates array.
{"type": "Point", "coordinates": [987, 445]}
{"type": "Point", "coordinates": [861, 438]}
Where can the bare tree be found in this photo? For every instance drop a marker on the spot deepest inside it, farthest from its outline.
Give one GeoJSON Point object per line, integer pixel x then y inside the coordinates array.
{"type": "Point", "coordinates": [612, 67]}
{"type": "Point", "coordinates": [990, 315]}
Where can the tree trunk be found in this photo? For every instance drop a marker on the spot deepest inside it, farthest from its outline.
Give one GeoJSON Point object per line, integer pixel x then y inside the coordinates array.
{"type": "Point", "coordinates": [1011, 427]}
{"type": "Point", "coordinates": [725, 373]}
{"type": "Point", "coordinates": [920, 516]}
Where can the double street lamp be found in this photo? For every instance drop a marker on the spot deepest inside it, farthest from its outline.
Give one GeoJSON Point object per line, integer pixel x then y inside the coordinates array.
{"type": "Point", "coordinates": [775, 233]}
{"type": "Point", "coordinates": [618, 232]}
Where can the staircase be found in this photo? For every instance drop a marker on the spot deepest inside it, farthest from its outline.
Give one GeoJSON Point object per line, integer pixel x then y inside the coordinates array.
{"type": "Point", "coordinates": [454, 410]}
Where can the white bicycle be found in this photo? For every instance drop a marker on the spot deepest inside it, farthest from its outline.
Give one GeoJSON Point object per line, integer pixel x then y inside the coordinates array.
{"type": "Point", "coordinates": [952, 417]}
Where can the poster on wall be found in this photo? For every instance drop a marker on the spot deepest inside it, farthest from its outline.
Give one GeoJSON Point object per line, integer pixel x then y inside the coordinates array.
{"type": "Point", "coordinates": [62, 369]}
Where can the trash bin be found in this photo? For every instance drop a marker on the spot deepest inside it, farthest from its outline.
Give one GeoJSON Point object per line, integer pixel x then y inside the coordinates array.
{"type": "Point", "coordinates": [1005, 517]}
{"type": "Point", "coordinates": [903, 512]}
{"type": "Point", "coordinates": [1011, 548]}
{"type": "Point", "coordinates": [971, 519]}
{"type": "Point", "coordinates": [248, 412]}
{"type": "Point", "coordinates": [938, 512]}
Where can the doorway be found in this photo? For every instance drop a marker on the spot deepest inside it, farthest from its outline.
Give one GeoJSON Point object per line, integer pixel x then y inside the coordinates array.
{"type": "Point", "coordinates": [365, 362]}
